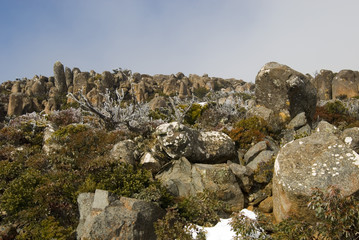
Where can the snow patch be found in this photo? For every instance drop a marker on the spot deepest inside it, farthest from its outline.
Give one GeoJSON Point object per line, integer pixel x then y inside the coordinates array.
{"type": "Point", "coordinates": [222, 230]}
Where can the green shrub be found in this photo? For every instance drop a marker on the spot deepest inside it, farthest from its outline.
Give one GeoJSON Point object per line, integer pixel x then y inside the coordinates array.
{"type": "Point", "coordinates": [248, 229]}
{"type": "Point", "coordinates": [194, 113]}
{"type": "Point", "coordinates": [337, 218]}
{"type": "Point", "coordinates": [173, 226]}
{"type": "Point", "coordinates": [336, 107]}
{"type": "Point", "coordinates": [19, 194]}
{"type": "Point", "coordinates": [201, 209]}
{"type": "Point", "coordinates": [46, 229]}
{"type": "Point", "coordinates": [200, 92]}
{"type": "Point", "coordinates": [121, 179]}
{"type": "Point", "coordinates": [248, 131]}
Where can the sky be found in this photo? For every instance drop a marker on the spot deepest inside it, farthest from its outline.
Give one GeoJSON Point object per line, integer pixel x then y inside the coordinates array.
{"type": "Point", "coordinates": [223, 38]}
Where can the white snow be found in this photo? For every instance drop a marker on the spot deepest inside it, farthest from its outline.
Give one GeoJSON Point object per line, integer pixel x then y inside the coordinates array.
{"type": "Point", "coordinates": [222, 230]}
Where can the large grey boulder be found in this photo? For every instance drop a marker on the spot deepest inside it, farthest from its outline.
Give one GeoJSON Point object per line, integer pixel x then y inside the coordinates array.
{"type": "Point", "coordinates": [184, 179]}
{"type": "Point", "coordinates": [178, 141]}
{"type": "Point", "coordinates": [284, 90]}
{"type": "Point", "coordinates": [60, 79]}
{"type": "Point", "coordinates": [318, 161]}
{"type": "Point", "coordinates": [106, 216]}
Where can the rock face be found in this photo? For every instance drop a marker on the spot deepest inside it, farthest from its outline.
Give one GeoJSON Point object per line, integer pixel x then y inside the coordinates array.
{"type": "Point", "coordinates": [318, 161]}
{"type": "Point", "coordinates": [178, 141]}
{"type": "Point", "coordinates": [323, 84]}
{"type": "Point", "coordinates": [105, 216]}
{"type": "Point", "coordinates": [184, 179]}
{"type": "Point", "coordinates": [60, 79]}
{"type": "Point", "coordinates": [345, 83]}
{"type": "Point", "coordinates": [15, 106]}
{"type": "Point", "coordinates": [282, 89]}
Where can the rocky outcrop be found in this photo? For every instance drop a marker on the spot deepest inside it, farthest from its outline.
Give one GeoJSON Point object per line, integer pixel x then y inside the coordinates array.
{"type": "Point", "coordinates": [323, 84]}
{"type": "Point", "coordinates": [318, 161]}
{"type": "Point", "coordinates": [60, 79]}
{"type": "Point", "coordinates": [184, 179]}
{"type": "Point", "coordinates": [15, 107]}
{"type": "Point", "coordinates": [285, 91]}
{"type": "Point", "coordinates": [106, 216]}
{"type": "Point", "coordinates": [345, 84]}
{"type": "Point", "coordinates": [178, 141]}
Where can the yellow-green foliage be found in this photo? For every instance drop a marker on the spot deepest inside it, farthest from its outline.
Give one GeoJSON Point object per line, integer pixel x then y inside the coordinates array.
{"type": "Point", "coordinates": [248, 131]}
{"type": "Point", "coordinates": [121, 179]}
{"type": "Point", "coordinates": [194, 113]}
{"type": "Point", "coordinates": [46, 229]}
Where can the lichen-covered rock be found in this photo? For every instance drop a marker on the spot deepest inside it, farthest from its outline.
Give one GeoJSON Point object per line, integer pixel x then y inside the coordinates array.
{"type": "Point", "coordinates": [184, 179]}
{"type": "Point", "coordinates": [179, 141]}
{"type": "Point", "coordinates": [318, 161]}
{"type": "Point", "coordinates": [280, 88]}
{"type": "Point", "coordinates": [124, 152]}
{"type": "Point", "coordinates": [345, 83]}
{"type": "Point", "coordinates": [106, 216]}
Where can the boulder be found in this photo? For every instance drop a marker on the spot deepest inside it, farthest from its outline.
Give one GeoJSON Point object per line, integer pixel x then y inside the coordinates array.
{"type": "Point", "coordinates": [244, 174]}
{"type": "Point", "coordinates": [262, 158]}
{"type": "Point", "coordinates": [298, 121]}
{"type": "Point", "coordinates": [323, 84]}
{"type": "Point", "coordinates": [106, 216]}
{"type": "Point", "coordinates": [184, 179]}
{"type": "Point", "coordinates": [69, 77]}
{"type": "Point", "coordinates": [282, 89]}
{"type": "Point", "coordinates": [60, 79]}
{"type": "Point", "coordinates": [124, 151]}
{"type": "Point", "coordinates": [351, 138]}
{"type": "Point", "coordinates": [81, 82]}
{"type": "Point", "coordinates": [149, 162]}
{"type": "Point", "coordinates": [318, 161]}
{"type": "Point", "coordinates": [266, 206]}
{"type": "Point", "coordinates": [15, 106]}
{"type": "Point", "coordinates": [345, 84]}
{"type": "Point", "coordinates": [108, 80]}
{"type": "Point", "coordinates": [178, 141]}
{"type": "Point", "coordinates": [254, 151]}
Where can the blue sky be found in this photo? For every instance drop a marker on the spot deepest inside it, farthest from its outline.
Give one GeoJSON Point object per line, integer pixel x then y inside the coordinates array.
{"type": "Point", "coordinates": [224, 38]}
